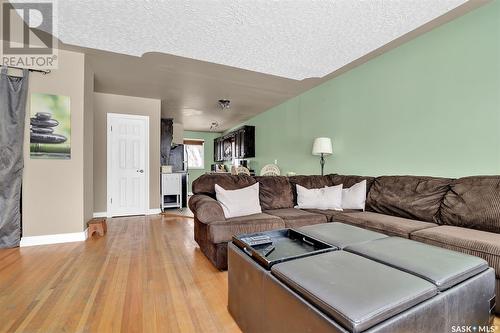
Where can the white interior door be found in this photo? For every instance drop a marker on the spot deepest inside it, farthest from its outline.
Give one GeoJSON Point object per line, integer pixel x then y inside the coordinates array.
{"type": "Point", "coordinates": [128, 170]}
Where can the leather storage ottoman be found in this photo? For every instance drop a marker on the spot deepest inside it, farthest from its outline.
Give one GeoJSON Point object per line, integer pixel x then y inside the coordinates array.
{"type": "Point", "coordinates": [356, 292]}
{"type": "Point", "coordinates": [340, 235]}
{"type": "Point", "coordinates": [443, 268]}
{"type": "Point", "coordinates": [341, 291]}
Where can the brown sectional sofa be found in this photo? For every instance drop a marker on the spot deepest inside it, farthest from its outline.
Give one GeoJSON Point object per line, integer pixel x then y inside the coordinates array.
{"type": "Point", "coordinates": [458, 214]}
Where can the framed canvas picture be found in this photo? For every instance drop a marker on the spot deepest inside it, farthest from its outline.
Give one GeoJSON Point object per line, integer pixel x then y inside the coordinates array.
{"type": "Point", "coordinates": [50, 127]}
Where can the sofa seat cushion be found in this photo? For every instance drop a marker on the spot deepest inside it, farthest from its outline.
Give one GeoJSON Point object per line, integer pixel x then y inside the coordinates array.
{"type": "Point", "coordinates": [411, 197]}
{"type": "Point", "coordinates": [442, 267]}
{"type": "Point", "coordinates": [330, 213]}
{"type": "Point", "coordinates": [389, 225]}
{"type": "Point", "coordinates": [473, 202]}
{"type": "Point", "coordinates": [296, 218]}
{"type": "Point", "coordinates": [275, 192]}
{"type": "Point", "coordinates": [223, 231]}
{"type": "Point", "coordinates": [478, 243]}
{"type": "Point", "coordinates": [356, 292]}
{"type": "Point", "coordinates": [339, 234]}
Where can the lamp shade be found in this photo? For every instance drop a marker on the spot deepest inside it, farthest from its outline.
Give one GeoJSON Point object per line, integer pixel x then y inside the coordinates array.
{"type": "Point", "coordinates": [322, 146]}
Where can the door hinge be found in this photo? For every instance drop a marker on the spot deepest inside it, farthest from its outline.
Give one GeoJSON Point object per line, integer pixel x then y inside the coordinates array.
{"type": "Point", "coordinates": [111, 128]}
{"type": "Point", "coordinates": [111, 200]}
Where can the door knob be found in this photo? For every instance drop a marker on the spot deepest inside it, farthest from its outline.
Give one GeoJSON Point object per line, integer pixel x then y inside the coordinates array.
{"type": "Point", "coordinates": [140, 171]}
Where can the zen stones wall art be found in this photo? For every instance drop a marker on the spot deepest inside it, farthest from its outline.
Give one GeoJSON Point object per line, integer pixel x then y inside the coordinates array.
{"type": "Point", "coordinates": [50, 127]}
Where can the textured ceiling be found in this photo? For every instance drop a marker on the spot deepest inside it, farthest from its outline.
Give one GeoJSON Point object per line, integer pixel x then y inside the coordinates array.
{"type": "Point", "coordinates": [295, 39]}
{"type": "Point", "coordinates": [191, 54]}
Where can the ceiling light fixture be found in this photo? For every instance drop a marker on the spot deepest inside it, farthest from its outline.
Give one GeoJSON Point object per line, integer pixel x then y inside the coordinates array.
{"type": "Point", "coordinates": [224, 104]}
{"type": "Point", "coordinates": [214, 125]}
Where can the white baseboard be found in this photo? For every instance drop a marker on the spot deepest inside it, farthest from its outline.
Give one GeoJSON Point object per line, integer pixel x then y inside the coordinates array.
{"type": "Point", "coordinates": [54, 239]}
{"type": "Point", "coordinates": [152, 211]}
{"type": "Point", "coordinates": [100, 214]}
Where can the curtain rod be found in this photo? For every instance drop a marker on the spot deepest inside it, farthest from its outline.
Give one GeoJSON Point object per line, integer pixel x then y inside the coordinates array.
{"type": "Point", "coordinates": [44, 72]}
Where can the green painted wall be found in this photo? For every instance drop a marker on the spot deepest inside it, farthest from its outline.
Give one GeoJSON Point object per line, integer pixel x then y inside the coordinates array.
{"type": "Point", "coordinates": [428, 107]}
{"type": "Point", "coordinates": [209, 152]}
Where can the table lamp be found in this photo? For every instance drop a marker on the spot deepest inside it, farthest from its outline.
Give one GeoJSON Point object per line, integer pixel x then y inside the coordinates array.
{"type": "Point", "coordinates": [322, 147]}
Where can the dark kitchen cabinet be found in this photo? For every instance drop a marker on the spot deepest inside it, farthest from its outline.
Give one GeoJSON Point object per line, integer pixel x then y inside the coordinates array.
{"type": "Point", "coordinates": [218, 149]}
{"type": "Point", "coordinates": [227, 147]}
{"type": "Point", "coordinates": [244, 142]}
{"type": "Point", "coordinates": [239, 144]}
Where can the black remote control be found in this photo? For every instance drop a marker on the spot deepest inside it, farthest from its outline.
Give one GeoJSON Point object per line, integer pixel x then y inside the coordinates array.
{"type": "Point", "coordinates": [268, 250]}
{"type": "Point", "coordinates": [257, 240]}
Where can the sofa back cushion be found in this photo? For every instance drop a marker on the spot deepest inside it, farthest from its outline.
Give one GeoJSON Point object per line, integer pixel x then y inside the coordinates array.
{"type": "Point", "coordinates": [350, 180]}
{"type": "Point", "coordinates": [241, 202]}
{"type": "Point", "coordinates": [410, 197]}
{"type": "Point", "coordinates": [473, 202]}
{"type": "Point", "coordinates": [329, 197]}
{"type": "Point", "coordinates": [275, 192]}
{"type": "Point", "coordinates": [205, 184]}
{"type": "Point", "coordinates": [354, 197]}
{"type": "Point", "coordinates": [309, 182]}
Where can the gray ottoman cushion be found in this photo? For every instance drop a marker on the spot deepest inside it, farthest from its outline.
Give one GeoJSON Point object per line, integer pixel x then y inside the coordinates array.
{"type": "Point", "coordinates": [340, 234]}
{"type": "Point", "coordinates": [356, 292]}
{"type": "Point", "coordinates": [442, 267]}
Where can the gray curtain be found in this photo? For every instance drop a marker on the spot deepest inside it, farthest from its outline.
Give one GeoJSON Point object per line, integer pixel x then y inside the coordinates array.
{"type": "Point", "coordinates": [13, 92]}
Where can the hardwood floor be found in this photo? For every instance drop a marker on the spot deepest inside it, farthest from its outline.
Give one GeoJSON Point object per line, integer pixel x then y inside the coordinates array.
{"type": "Point", "coordinates": [145, 275]}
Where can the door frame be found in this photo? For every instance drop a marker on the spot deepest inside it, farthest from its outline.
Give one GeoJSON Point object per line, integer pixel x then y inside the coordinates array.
{"type": "Point", "coordinates": [109, 184]}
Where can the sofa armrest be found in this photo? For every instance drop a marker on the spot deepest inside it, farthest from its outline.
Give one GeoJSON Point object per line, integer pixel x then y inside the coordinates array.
{"type": "Point", "coordinates": [206, 209]}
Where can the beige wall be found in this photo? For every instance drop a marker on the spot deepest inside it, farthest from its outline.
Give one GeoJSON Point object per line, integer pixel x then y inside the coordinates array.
{"type": "Point", "coordinates": [108, 103]}
{"type": "Point", "coordinates": [88, 152]}
{"type": "Point", "coordinates": [53, 190]}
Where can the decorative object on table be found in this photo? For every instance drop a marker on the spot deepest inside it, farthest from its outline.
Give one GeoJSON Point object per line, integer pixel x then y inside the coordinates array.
{"type": "Point", "coordinates": [97, 226]}
{"type": "Point", "coordinates": [219, 167]}
{"type": "Point", "coordinates": [50, 127]}
{"type": "Point", "coordinates": [166, 169]}
{"type": "Point", "coordinates": [242, 170]}
{"type": "Point", "coordinates": [270, 170]}
{"type": "Point", "coordinates": [322, 147]}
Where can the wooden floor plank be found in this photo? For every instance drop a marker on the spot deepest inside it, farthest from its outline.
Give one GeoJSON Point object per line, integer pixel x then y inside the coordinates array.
{"type": "Point", "coordinates": [146, 275]}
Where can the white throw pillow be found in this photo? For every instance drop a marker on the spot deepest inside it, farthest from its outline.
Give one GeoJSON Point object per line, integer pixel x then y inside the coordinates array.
{"type": "Point", "coordinates": [319, 198]}
{"type": "Point", "coordinates": [244, 201]}
{"type": "Point", "coordinates": [354, 197]}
